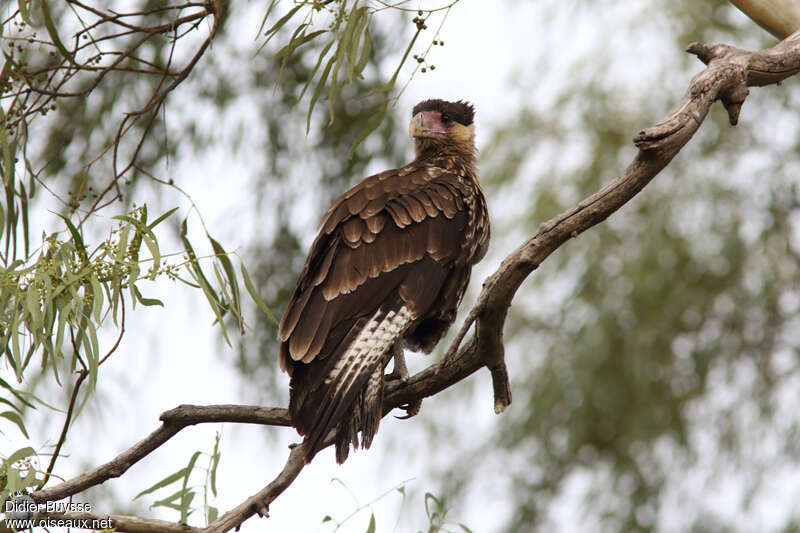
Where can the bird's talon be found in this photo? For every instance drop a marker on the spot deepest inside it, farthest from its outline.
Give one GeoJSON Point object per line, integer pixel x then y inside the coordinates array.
{"type": "Point", "coordinates": [411, 409]}
{"type": "Point", "coordinates": [396, 376]}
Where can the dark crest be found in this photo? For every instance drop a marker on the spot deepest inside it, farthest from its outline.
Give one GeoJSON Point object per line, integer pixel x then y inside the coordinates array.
{"type": "Point", "coordinates": [461, 111]}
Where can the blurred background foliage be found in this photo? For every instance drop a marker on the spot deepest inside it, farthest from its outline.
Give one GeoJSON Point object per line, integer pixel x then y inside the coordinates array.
{"type": "Point", "coordinates": [654, 359]}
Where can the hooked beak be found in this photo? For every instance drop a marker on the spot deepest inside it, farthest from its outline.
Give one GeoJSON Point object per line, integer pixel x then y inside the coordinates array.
{"type": "Point", "coordinates": [427, 124]}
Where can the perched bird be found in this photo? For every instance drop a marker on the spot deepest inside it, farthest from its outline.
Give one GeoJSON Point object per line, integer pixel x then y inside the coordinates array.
{"type": "Point", "coordinates": [389, 267]}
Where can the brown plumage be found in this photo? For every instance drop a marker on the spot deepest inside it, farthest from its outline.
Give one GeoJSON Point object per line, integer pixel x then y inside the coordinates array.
{"type": "Point", "coordinates": [390, 264]}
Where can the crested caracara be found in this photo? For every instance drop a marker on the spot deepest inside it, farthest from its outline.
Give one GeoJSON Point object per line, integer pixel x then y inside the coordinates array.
{"type": "Point", "coordinates": [389, 267]}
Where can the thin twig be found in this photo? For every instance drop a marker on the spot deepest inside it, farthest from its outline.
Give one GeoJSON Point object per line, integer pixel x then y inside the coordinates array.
{"type": "Point", "coordinates": [67, 419]}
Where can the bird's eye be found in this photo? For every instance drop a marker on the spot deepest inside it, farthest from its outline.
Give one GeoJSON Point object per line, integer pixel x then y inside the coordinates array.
{"type": "Point", "coordinates": [445, 118]}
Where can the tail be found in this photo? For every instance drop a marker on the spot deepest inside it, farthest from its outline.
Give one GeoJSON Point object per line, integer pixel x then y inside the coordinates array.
{"type": "Point", "coordinates": [351, 395]}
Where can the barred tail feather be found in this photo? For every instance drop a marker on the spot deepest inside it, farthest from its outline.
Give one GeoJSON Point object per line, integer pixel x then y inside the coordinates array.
{"type": "Point", "coordinates": [350, 398]}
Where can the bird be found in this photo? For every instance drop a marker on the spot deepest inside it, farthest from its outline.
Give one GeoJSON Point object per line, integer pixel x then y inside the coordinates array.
{"type": "Point", "coordinates": [387, 271]}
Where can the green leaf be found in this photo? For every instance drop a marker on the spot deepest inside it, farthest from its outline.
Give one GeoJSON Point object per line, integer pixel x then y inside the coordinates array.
{"type": "Point", "coordinates": [366, 50]}
{"type": "Point", "coordinates": [318, 90]}
{"type": "Point", "coordinates": [10, 404]}
{"type": "Point", "coordinates": [356, 40]}
{"type": "Point", "coordinates": [215, 457]}
{"type": "Point", "coordinates": [295, 43]}
{"type": "Point", "coordinates": [147, 302]}
{"type": "Point", "coordinates": [371, 526]}
{"type": "Point", "coordinates": [194, 267]}
{"type": "Point", "coordinates": [278, 25]}
{"type": "Point", "coordinates": [18, 394]}
{"type": "Point", "coordinates": [22, 453]}
{"type": "Point", "coordinates": [266, 16]}
{"type": "Point", "coordinates": [169, 501]}
{"type": "Point", "coordinates": [326, 518]}
{"type": "Point", "coordinates": [313, 72]}
{"type": "Point", "coordinates": [172, 478]}
{"type": "Point", "coordinates": [230, 273]}
{"type": "Point", "coordinates": [160, 219]}
{"type": "Point", "coordinates": [51, 29]}
{"type": "Point", "coordinates": [22, 5]}
{"type": "Point", "coordinates": [464, 528]}
{"type": "Point", "coordinates": [212, 514]}
{"type": "Point", "coordinates": [154, 253]}
{"type": "Point", "coordinates": [97, 293]}
{"type": "Point", "coordinates": [16, 419]}
{"type": "Point", "coordinates": [13, 480]}
{"type": "Point", "coordinates": [248, 284]}
{"type": "Point", "coordinates": [76, 239]}
{"type": "Point", "coordinates": [23, 206]}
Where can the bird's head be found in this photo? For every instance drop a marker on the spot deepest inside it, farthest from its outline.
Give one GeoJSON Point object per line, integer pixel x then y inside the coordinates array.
{"type": "Point", "coordinates": [439, 124]}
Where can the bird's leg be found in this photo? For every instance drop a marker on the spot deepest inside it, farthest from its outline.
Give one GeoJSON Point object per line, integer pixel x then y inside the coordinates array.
{"type": "Point", "coordinates": [400, 370]}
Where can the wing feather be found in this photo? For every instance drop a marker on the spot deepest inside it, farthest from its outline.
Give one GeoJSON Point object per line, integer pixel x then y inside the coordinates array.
{"type": "Point", "coordinates": [346, 276]}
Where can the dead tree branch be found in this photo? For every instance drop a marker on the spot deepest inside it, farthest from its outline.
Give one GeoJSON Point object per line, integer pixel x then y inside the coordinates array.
{"type": "Point", "coordinates": [729, 73]}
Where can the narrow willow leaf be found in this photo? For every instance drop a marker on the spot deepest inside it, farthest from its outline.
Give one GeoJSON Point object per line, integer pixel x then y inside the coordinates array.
{"type": "Point", "coordinates": [197, 272]}
{"type": "Point", "coordinates": [186, 502]}
{"type": "Point", "coordinates": [123, 244]}
{"type": "Point", "coordinates": [33, 308]}
{"type": "Point", "coordinates": [62, 323]}
{"type": "Point", "coordinates": [223, 258]}
{"type": "Point", "coordinates": [10, 404]}
{"type": "Point", "coordinates": [371, 526]}
{"type": "Point", "coordinates": [16, 419]}
{"type": "Point", "coordinates": [297, 43]}
{"type": "Point", "coordinates": [345, 41]}
{"type": "Point", "coordinates": [169, 501]}
{"type": "Point", "coordinates": [188, 496]}
{"type": "Point", "coordinates": [152, 245]}
{"type": "Point", "coordinates": [172, 478]}
{"type": "Point", "coordinates": [278, 25]}
{"type": "Point", "coordinates": [215, 457]}
{"type": "Point", "coordinates": [97, 292]}
{"type": "Point", "coordinates": [189, 468]}
{"type": "Point", "coordinates": [266, 16]}
{"type": "Point", "coordinates": [464, 528]}
{"type": "Point", "coordinates": [76, 239]}
{"type": "Point", "coordinates": [162, 218]}
{"type": "Point", "coordinates": [248, 283]}
{"type": "Point", "coordinates": [13, 481]}
{"type": "Point", "coordinates": [366, 50]}
{"type": "Point", "coordinates": [92, 350]}
{"type": "Point", "coordinates": [19, 395]}
{"type": "Point", "coordinates": [2, 216]}
{"type": "Point", "coordinates": [296, 35]}
{"type": "Point", "coordinates": [147, 302]}
{"type": "Point", "coordinates": [213, 299]}
{"type": "Point", "coordinates": [314, 70]}
{"type": "Point", "coordinates": [212, 514]}
{"type": "Point", "coordinates": [318, 90]}
{"type": "Point", "coordinates": [352, 55]}
{"type": "Point", "coordinates": [24, 12]}
{"type": "Point", "coordinates": [15, 348]}
{"type": "Point", "coordinates": [23, 207]}
{"type": "Point", "coordinates": [223, 289]}
{"type": "Point", "coordinates": [51, 29]}
{"type": "Point", "coordinates": [22, 453]}
{"type": "Point", "coordinates": [7, 176]}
